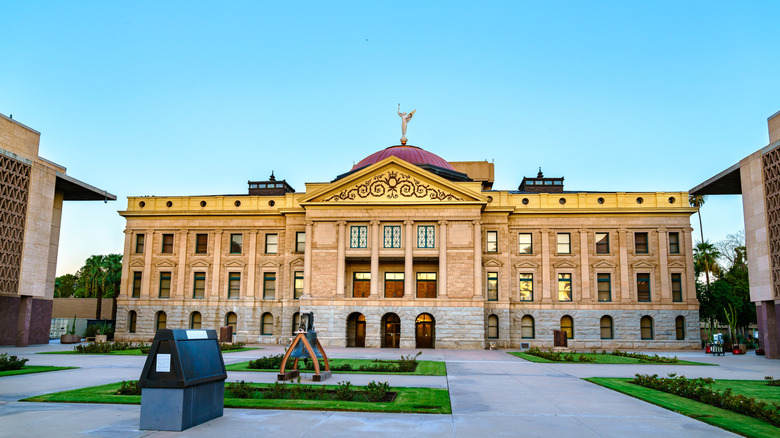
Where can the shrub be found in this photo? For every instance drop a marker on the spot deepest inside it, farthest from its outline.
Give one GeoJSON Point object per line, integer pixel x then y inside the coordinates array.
{"type": "Point", "coordinates": [8, 363]}
{"type": "Point", "coordinates": [107, 347]}
{"type": "Point", "coordinates": [644, 358]}
{"type": "Point", "coordinates": [408, 364]}
{"type": "Point", "coordinates": [240, 389]}
{"type": "Point", "coordinates": [225, 346]}
{"type": "Point", "coordinates": [771, 381]}
{"type": "Point", "coordinates": [129, 387]}
{"type": "Point", "coordinates": [266, 362]}
{"type": "Point", "coordinates": [345, 392]}
{"type": "Point", "coordinates": [700, 390]}
{"type": "Point", "coordinates": [376, 391]}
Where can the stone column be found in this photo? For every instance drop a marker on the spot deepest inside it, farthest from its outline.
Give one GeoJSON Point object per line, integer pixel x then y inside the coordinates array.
{"type": "Point", "coordinates": [587, 294]}
{"type": "Point", "coordinates": [146, 286]}
{"type": "Point", "coordinates": [665, 294]}
{"type": "Point", "coordinates": [181, 268]}
{"type": "Point", "coordinates": [23, 321]}
{"type": "Point", "coordinates": [689, 289]}
{"type": "Point", "coordinates": [546, 276]}
{"type": "Point", "coordinates": [216, 270]}
{"type": "Point", "coordinates": [478, 261]}
{"type": "Point", "coordinates": [409, 259]}
{"type": "Point", "coordinates": [251, 277]}
{"type": "Point", "coordinates": [442, 286]}
{"type": "Point", "coordinates": [307, 261]}
{"type": "Point", "coordinates": [340, 259]}
{"type": "Point", "coordinates": [374, 259]}
{"type": "Point", "coordinates": [624, 291]}
{"type": "Point", "coordinates": [126, 285]}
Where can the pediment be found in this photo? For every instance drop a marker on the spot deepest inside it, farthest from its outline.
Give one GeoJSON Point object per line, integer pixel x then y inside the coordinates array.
{"type": "Point", "coordinates": [272, 265]}
{"type": "Point", "coordinates": [492, 264]}
{"type": "Point", "coordinates": [234, 264]}
{"type": "Point", "coordinates": [677, 264]}
{"type": "Point", "coordinates": [643, 264]}
{"type": "Point", "coordinates": [137, 264]}
{"type": "Point", "coordinates": [565, 264]}
{"type": "Point", "coordinates": [165, 264]}
{"type": "Point", "coordinates": [200, 264]}
{"type": "Point", "coordinates": [527, 265]}
{"type": "Point", "coordinates": [603, 265]}
{"type": "Point", "coordinates": [298, 261]}
{"type": "Point", "coordinates": [393, 181]}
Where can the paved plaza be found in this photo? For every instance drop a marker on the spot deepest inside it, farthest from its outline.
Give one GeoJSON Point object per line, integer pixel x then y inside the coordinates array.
{"type": "Point", "coordinates": [492, 393]}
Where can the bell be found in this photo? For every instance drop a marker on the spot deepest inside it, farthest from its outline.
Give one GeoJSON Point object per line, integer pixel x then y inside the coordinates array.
{"type": "Point", "coordinates": [312, 338]}
{"type": "Point", "coordinates": [299, 351]}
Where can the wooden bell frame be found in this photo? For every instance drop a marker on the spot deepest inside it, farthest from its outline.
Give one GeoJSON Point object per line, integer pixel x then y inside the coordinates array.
{"type": "Point", "coordinates": [295, 372]}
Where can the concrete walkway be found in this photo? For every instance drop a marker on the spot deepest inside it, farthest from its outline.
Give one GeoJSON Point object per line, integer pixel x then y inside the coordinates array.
{"type": "Point", "coordinates": [492, 393]}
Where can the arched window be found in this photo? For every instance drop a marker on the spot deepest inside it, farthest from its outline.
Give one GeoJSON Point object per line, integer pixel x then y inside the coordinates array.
{"type": "Point", "coordinates": [296, 322]}
{"type": "Point", "coordinates": [567, 325]}
{"type": "Point", "coordinates": [646, 327]}
{"type": "Point", "coordinates": [679, 325]}
{"type": "Point", "coordinates": [267, 324]}
{"type": "Point", "coordinates": [492, 327]}
{"type": "Point", "coordinates": [195, 319]}
{"type": "Point", "coordinates": [527, 327]}
{"type": "Point", "coordinates": [232, 320]}
{"type": "Point", "coordinates": [161, 321]}
{"type": "Point", "coordinates": [606, 327]}
{"type": "Point", "coordinates": [391, 331]}
{"type": "Point", "coordinates": [132, 317]}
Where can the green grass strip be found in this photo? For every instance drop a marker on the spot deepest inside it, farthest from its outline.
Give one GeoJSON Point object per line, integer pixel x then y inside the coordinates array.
{"type": "Point", "coordinates": [30, 369]}
{"type": "Point", "coordinates": [408, 400]}
{"type": "Point", "coordinates": [603, 359]}
{"type": "Point", "coordinates": [722, 418]}
{"type": "Point", "coordinates": [424, 367]}
{"type": "Point", "coordinates": [132, 352]}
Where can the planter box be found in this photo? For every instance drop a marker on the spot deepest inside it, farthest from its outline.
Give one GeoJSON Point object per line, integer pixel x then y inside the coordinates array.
{"type": "Point", "coordinates": [100, 339]}
{"type": "Point", "coordinates": [70, 339]}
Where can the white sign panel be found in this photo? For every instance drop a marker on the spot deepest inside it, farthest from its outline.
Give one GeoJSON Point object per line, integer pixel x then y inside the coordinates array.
{"type": "Point", "coordinates": [197, 334]}
{"type": "Point", "coordinates": [163, 363]}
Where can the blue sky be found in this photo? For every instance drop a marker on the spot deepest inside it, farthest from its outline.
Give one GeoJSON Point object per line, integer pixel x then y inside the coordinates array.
{"type": "Point", "coordinates": [193, 98]}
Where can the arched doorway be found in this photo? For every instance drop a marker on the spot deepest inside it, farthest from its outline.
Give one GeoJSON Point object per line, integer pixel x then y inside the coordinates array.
{"type": "Point", "coordinates": [356, 330]}
{"type": "Point", "coordinates": [391, 331]}
{"type": "Point", "coordinates": [425, 329]}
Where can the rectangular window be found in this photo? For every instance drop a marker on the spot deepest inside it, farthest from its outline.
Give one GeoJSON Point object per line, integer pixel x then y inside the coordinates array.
{"type": "Point", "coordinates": [234, 285]}
{"type": "Point", "coordinates": [526, 287]}
{"type": "Point", "coordinates": [564, 287]}
{"type": "Point", "coordinates": [392, 236]}
{"type": "Point", "coordinates": [167, 243]}
{"type": "Point", "coordinates": [139, 243]}
{"type": "Point", "coordinates": [525, 243]}
{"type": "Point", "coordinates": [640, 243]}
{"type": "Point", "coordinates": [165, 284]}
{"type": "Point", "coordinates": [674, 243]}
{"type": "Point", "coordinates": [137, 284]}
{"type": "Point", "coordinates": [394, 284]}
{"type": "Point", "coordinates": [643, 287]}
{"type": "Point", "coordinates": [361, 284]}
{"type": "Point", "coordinates": [201, 243]}
{"type": "Point", "coordinates": [297, 284]}
{"type": "Point", "coordinates": [236, 243]}
{"type": "Point", "coordinates": [358, 236]}
{"type": "Point", "coordinates": [199, 285]}
{"type": "Point", "coordinates": [425, 237]}
{"type": "Point", "coordinates": [492, 286]}
{"type": "Point", "coordinates": [269, 285]}
{"type": "Point", "coordinates": [300, 241]}
{"type": "Point", "coordinates": [602, 243]}
{"type": "Point", "coordinates": [564, 243]}
{"type": "Point", "coordinates": [271, 243]}
{"type": "Point", "coordinates": [491, 243]}
{"type": "Point", "coordinates": [426, 285]}
{"type": "Point", "coordinates": [677, 288]}
{"type": "Point", "coordinates": [604, 283]}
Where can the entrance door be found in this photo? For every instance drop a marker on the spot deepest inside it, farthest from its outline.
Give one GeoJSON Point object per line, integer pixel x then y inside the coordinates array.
{"type": "Point", "coordinates": [392, 326]}
{"type": "Point", "coordinates": [424, 331]}
{"type": "Point", "coordinates": [360, 331]}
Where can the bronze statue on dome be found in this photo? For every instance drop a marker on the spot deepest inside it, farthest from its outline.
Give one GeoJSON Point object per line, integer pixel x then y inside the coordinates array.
{"type": "Point", "coordinates": [405, 118]}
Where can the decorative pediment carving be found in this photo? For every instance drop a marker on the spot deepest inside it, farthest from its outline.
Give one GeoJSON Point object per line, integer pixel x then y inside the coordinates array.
{"type": "Point", "coordinates": [677, 264]}
{"type": "Point", "coordinates": [298, 261]}
{"type": "Point", "coordinates": [392, 185]}
{"type": "Point", "coordinates": [565, 264]}
{"type": "Point", "coordinates": [271, 265]}
{"type": "Point", "coordinates": [643, 264]}
{"type": "Point", "coordinates": [200, 264]}
{"type": "Point", "coordinates": [138, 263]}
{"type": "Point", "coordinates": [165, 264]}
{"type": "Point", "coordinates": [234, 264]}
{"type": "Point", "coordinates": [603, 265]}
{"type": "Point", "coordinates": [527, 265]}
{"type": "Point", "coordinates": [493, 263]}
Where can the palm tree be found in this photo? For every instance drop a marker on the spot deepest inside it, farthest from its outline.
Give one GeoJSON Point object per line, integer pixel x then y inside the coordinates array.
{"type": "Point", "coordinates": [112, 277]}
{"type": "Point", "coordinates": [92, 275]}
{"type": "Point", "coordinates": [705, 256]}
{"type": "Point", "coordinates": [698, 201]}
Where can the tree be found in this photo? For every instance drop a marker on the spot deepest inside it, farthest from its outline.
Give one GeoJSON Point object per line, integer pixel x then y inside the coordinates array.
{"type": "Point", "coordinates": [705, 260]}
{"type": "Point", "coordinates": [112, 277]}
{"type": "Point", "coordinates": [65, 286]}
{"type": "Point", "coordinates": [732, 248]}
{"type": "Point", "coordinates": [92, 274]}
{"type": "Point", "coordinates": [698, 201]}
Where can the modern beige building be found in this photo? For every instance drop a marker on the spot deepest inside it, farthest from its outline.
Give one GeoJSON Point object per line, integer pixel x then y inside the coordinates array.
{"type": "Point", "coordinates": [757, 178]}
{"type": "Point", "coordinates": [32, 191]}
{"type": "Point", "coordinates": [409, 250]}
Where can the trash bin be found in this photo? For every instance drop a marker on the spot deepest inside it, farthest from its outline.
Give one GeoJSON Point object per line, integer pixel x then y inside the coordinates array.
{"type": "Point", "coordinates": [183, 381]}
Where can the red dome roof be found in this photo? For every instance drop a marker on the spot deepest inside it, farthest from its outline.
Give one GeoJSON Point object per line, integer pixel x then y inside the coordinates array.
{"type": "Point", "coordinates": [411, 154]}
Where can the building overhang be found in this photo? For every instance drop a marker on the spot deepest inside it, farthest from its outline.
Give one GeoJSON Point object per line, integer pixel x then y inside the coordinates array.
{"type": "Point", "coordinates": [728, 182]}
{"type": "Point", "coordinates": [75, 190]}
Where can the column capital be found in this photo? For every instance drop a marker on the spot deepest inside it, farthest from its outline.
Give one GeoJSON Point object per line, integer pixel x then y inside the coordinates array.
{"type": "Point", "coordinates": [545, 230]}
{"type": "Point", "coordinates": [443, 222]}
{"type": "Point", "coordinates": [341, 223]}
{"type": "Point", "coordinates": [218, 232]}
{"type": "Point", "coordinates": [374, 223]}
{"type": "Point", "coordinates": [688, 230]}
{"type": "Point", "coordinates": [128, 231]}
{"type": "Point", "coordinates": [309, 223]}
{"type": "Point", "coordinates": [582, 230]}
{"type": "Point", "coordinates": [476, 222]}
{"type": "Point", "coordinates": [183, 232]}
{"type": "Point", "coordinates": [408, 222]}
{"type": "Point", "coordinates": [662, 230]}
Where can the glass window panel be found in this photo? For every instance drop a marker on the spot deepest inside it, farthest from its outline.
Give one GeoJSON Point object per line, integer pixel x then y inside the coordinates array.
{"type": "Point", "coordinates": [236, 243]}
{"type": "Point", "coordinates": [679, 325]}
{"type": "Point", "coordinates": [677, 287]}
{"type": "Point", "coordinates": [567, 325]}
{"type": "Point", "coordinates": [201, 243]}
{"type": "Point", "coordinates": [640, 243]}
{"type": "Point", "coordinates": [525, 244]}
{"type": "Point", "coordinates": [602, 243]}
{"type": "Point", "coordinates": [492, 327]}
{"type": "Point", "coordinates": [604, 287]}
{"type": "Point", "coordinates": [137, 276]}
{"type": "Point", "coordinates": [527, 327]}
{"type": "Point", "coordinates": [564, 243]}
{"type": "Point", "coordinates": [426, 285]}
{"type": "Point", "coordinates": [300, 241]}
{"type": "Point", "coordinates": [234, 285]}
{"type": "Point", "coordinates": [139, 243]}
{"type": "Point", "coordinates": [358, 237]}
{"type": "Point", "coordinates": [165, 284]}
{"type": "Point", "coordinates": [361, 284]}
{"type": "Point", "coordinates": [492, 286]}
{"type": "Point", "coordinates": [269, 286]}
{"type": "Point", "coordinates": [271, 243]}
{"type": "Point", "coordinates": [195, 321]}
{"type": "Point", "coordinates": [674, 243]}
{"type": "Point", "coordinates": [199, 285]}
{"type": "Point", "coordinates": [297, 285]}
{"type": "Point", "coordinates": [606, 327]}
{"type": "Point", "coordinates": [426, 236]}
{"type": "Point", "coordinates": [643, 287]}
{"type": "Point", "coordinates": [132, 318]}
{"type": "Point", "coordinates": [564, 287]}
{"type": "Point", "coordinates": [526, 287]}
{"type": "Point", "coordinates": [646, 327]}
{"type": "Point", "coordinates": [392, 237]}
{"type": "Point", "coordinates": [267, 324]}
{"type": "Point", "coordinates": [162, 321]}
{"type": "Point", "coordinates": [492, 241]}
{"type": "Point", "coordinates": [167, 243]}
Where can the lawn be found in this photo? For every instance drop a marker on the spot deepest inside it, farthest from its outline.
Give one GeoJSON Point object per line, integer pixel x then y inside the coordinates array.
{"type": "Point", "coordinates": [602, 359]}
{"type": "Point", "coordinates": [407, 400]}
{"type": "Point", "coordinates": [29, 369]}
{"type": "Point", "coordinates": [722, 418]}
{"type": "Point", "coordinates": [424, 367]}
{"type": "Point", "coordinates": [133, 352]}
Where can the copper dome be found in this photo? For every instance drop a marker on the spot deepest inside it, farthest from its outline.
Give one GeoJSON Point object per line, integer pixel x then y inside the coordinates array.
{"type": "Point", "coordinates": [411, 154]}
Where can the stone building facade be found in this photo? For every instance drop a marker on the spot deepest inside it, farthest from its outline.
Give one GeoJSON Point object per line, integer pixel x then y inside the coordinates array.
{"type": "Point", "coordinates": [408, 250]}
{"type": "Point", "coordinates": [32, 191]}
